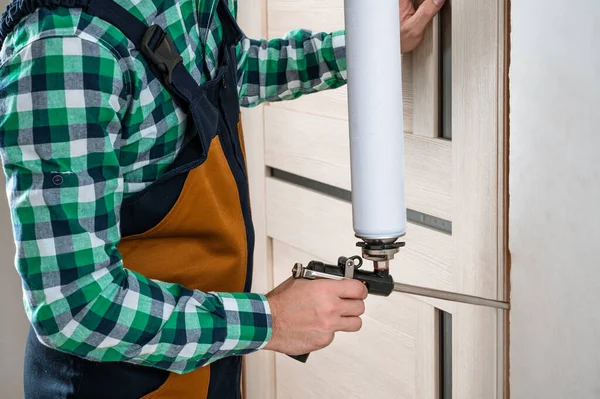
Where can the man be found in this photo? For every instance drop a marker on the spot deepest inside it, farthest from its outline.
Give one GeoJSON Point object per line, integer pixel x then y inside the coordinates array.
{"type": "Point", "coordinates": [122, 147]}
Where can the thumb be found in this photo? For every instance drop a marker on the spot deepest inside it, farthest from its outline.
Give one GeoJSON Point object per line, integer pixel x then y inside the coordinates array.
{"type": "Point", "coordinates": [425, 13]}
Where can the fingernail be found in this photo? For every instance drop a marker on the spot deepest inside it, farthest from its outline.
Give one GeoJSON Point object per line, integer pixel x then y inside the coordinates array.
{"type": "Point", "coordinates": [438, 3]}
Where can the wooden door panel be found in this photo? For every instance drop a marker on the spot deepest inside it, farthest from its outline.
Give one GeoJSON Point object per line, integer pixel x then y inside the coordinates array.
{"type": "Point", "coordinates": [393, 356]}
{"type": "Point", "coordinates": [478, 157]}
{"type": "Point", "coordinates": [318, 148]}
{"type": "Point", "coordinates": [286, 15]}
{"type": "Point", "coordinates": [462, 181]}
{"type": "Point", "coordinates": [419, 68]}
{"type": "Point", "coordinates": [311, 221]}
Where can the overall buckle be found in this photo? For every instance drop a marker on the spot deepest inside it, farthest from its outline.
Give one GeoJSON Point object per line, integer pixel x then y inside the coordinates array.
{"type": "Point", "coordinates": [160, 50]}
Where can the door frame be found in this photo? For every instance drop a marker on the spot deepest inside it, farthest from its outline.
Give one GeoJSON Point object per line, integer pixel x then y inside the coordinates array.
{"type": "Point", "coordinates": [480, 39]}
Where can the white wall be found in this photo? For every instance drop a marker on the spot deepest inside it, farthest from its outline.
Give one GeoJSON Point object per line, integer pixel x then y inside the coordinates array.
{"type": "Point", "coordinates": [555, 199]}
{"type": "Point", "coordinates": [13, 322]}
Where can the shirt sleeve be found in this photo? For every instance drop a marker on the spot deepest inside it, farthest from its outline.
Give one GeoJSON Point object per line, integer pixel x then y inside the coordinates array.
{"type": "Point", "coordinates": [301, 62]}
{"type": "Point", "coordinates": [63, 101]}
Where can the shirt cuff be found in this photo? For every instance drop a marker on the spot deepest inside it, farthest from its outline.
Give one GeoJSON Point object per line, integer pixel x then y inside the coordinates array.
{"type": "Point", "coordinates": [249, 322]}
{"type": "Point", "coordinates": [338, 41]}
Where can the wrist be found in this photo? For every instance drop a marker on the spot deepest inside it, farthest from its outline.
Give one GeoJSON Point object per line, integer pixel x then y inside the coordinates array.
{"type": "Point", "coordinates": [269, 318]}
{"type": "Point", "coordinates": [338, 39]}
{"type": "Point", "coordinates": [272, 341]}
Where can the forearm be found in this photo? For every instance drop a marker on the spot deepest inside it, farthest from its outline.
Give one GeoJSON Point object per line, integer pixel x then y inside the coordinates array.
{"type": "Point", "coordinates": [81, 298]}
{"type": "Point", "coordinates": [118, 315]}
{"type": "Point", "coordinates": [284, 69]}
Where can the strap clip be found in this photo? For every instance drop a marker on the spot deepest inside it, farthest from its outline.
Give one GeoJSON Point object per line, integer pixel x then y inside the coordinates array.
{"type": "Point", "coordinates": [160, 50]}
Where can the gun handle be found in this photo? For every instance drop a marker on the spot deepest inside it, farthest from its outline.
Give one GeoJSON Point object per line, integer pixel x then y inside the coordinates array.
{"type": "Point", "coordinates": [300, 358]}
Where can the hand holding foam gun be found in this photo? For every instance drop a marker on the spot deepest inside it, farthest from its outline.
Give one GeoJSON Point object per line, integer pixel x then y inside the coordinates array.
{"type": "Point", "coordinates": [307, 314]}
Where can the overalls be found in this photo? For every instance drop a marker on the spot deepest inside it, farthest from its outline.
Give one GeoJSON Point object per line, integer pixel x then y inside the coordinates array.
{"type": "Point", "coordinates": [195, 218]}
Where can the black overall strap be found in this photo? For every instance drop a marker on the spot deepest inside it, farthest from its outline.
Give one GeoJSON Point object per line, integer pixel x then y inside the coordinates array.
{"type": "Point", "coordinates": [156, 46]}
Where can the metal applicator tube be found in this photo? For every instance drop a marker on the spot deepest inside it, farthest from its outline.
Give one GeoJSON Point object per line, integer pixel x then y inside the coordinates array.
{"type": "Point", "coordinates": [376, 119]}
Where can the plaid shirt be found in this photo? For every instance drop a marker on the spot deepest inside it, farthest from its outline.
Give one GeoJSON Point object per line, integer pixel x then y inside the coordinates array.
{"type": "Point", "coordinates": [83, 126]}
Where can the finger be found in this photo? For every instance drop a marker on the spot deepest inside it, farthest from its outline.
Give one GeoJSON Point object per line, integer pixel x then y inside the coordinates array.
{"type": "Point", "coordinates": [407, 9]}
{"type": "Point", "coordinates": [350, 324]}
{"type": "Point", "coordinates": [352, 289]}
{"type": "Point", "coordinates": [352, 307]}
{"type": "Point", "coordinates": [425, 14]}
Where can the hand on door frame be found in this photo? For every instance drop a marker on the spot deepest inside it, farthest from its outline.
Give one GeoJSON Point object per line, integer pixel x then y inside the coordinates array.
{"type": "Point", "coordinates": [414, 21]}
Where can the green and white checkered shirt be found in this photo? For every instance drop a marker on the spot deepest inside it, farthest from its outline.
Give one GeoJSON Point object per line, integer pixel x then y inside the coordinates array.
{"type": "Point", "coordinates": [77, 105]}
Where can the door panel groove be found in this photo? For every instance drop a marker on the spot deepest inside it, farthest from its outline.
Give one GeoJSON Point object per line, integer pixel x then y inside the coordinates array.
{"type": "Point", "coordinates": [445, 354]}
{"type": "Point", "coordinates": [416, 217]}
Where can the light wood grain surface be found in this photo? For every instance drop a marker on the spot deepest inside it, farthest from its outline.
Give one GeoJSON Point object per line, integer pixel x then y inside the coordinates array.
{"type": "Point", "coordinates": [460, 180]}
{"type": "Point", "coordinates": [259, 367]}
{"type": "Point", "coordinates": [328, 16]}
{"type": "Point", "coordinates": [311, 221]}
{"type": "Point", "coordinates": [317, 147]}
{"type": "Point", "coordinates": [425, 82]}
{"type": "Point", "coordinates": [392, 357]}
{"type": "Point", "coordinates": [475, 62]}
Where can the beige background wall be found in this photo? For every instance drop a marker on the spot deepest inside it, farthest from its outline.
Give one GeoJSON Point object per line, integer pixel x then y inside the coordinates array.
{"type": "Point", "coordinates": [13, 325]}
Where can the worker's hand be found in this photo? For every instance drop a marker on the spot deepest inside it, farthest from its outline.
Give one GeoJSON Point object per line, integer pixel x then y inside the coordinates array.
{"type": "Point", "coordinates": [413, 22]}
{"type": "Point", "coordinates": [307, 313]}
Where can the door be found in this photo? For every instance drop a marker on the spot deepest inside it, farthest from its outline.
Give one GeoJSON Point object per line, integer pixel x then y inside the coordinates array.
{"type": "Point", "coordinates": [298, 155]}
